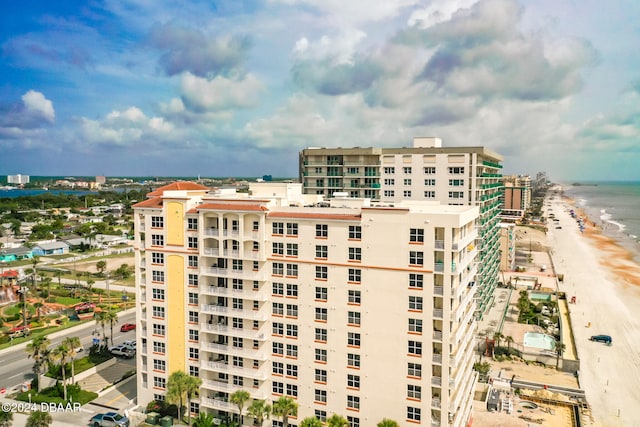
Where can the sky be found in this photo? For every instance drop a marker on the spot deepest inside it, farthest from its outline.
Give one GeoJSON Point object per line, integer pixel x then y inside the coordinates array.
{"type": "Point", "coordinates": [238, 88]}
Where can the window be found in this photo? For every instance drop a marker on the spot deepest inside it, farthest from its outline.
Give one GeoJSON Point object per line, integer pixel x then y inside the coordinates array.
{"type": "Point", "coordinates": [389, 170]}
{"type": "Point", "coordinates": [320, 396]}
{"type": "Point", "coordinates": [278, 348]}
{"type": "Point", "coordinates": [238, 381]}
{"type": "Point", "coordinates": [353, 421]}
{"type": "Point", "coordinates": [157, 294]}
{"type": "Point", "coordinates": [159, 382]}
{"type": "Point", "coordinates": [353, 318]}
{"type": "Point", "coordinates": [407, 181]}
{"type": "Point", "coordinates": [255, 246]}
{"type": "Point", "coordinates": [157, 240]}
{"type": "Point", "coordinates": [321, 335]}
{"type": "Point", "coordinates": [278, 309]}
{"type": "Point", "coordinates": [389, 193]}
{"type": "Point", "coordinates": [355, 232]}
{"type": "Point", "coordinates": [278, 248]}
{"type": "Point", "coordinates": [157, 258]}
{"type": "Point", "coordinates": [355, 275]}
{"type": "Point", "coordinates": [158, 312]}
{"type": "Point", "coordinates": [237, 342]}
{"type": "Point", "coordinates": [292, 310]}
{"type": "Point", "coordinates": [456, 170]}
{"type": "Point", "coordinates": [321, 272]}
{"type": "Point", "coordinates": [193, 261]}
{"type": "Point", "coordinates": [292, 331]}
{"type": "Point", "coordinates": [353, 402]}
{"type": "Point", "coordinates": [292, 390]}
{"type": "Point", "coordinates": [292, 229]}
{"type": "Point", "coordinates": [237, 323]}
{"type": "Point", "coordinates": [292, 350]}
{"type": "Point", "coordinates": [194, 353]}
{"type": "Point", "coordinates": [237, 284]}
{"type": "Point", "coordinates": [415, 325]}
{"type": "Point", "coordinates": [389, 181]}
{"type": "Point", "coordinates": [157, 276]}
{"type": "Point", "coordinates": [321, 415]}
{"type": "Point", "coordinates": [192, 223]}
{"type": "Point", "coordinates": [456, 194]}
{"type": "Point", "coordinates": [429, 170]}
{"type": "Point", "coordinates": [193, 317]}
{"type": "Point", "coordinates": [320, 376]}
{"type": "Point", "coordinates": [406, 193]}
{"type": "Point", "coordinates": [414, 348]}
{"type": "Point", "coordinates": [157, 222]}
{"type": "Point", "coordinates": [292, 371]}
{"type": "Point", "coordinates": [353, 360]}
{"type": "Point", "coordinates": [414, 370]}
{"type": "Point", "coordinates": [430, 182]}
{"type": "Point", "coordinates": [292, 249]}
{"type": "Point", "coordinates": [429, 194]}
{"type": "Point", "coordinates": [292, 290]}
{"type": "Point", "coordinates": [355, 254]}
{"type": "Point", "coordinates": [416, 235]}
{"type": "Point", "coordinates": [321, 314]}
{"type": "Point", "coordinates": [278, 228]}
{"type": "Point", "coordinates": [354, 297]}
{"type": "Point", "coordinates": [159, 365]}
{"type": "Point", "coordinates": [353, 339]}
{"type": "Point", "coordinates": [292, 270]}
{"type": "Point", "coordinates": [321, 293]}
{"type": "Point", "coordinates": [192, 279]}
{"type": "Point", "coordinates": [278, 269]}
{"type": "Point", "coordinates": [406, 169]}
{"type": "Point", "coordinates": [159, 347]}
{"type": "Point", "coordinates": [158, 330]}
{"type": "Point", "coordinates": [194, 371]}
{"type": "Point", "coordinates": [415, 303]}
{"type": "Point", "coordinates": [413, 413]}
{"type": "Point", "coordinates": [278, 368]}
{"type": "Point", "coordinates": [278, 387]}
{"type": "Point", "coordinates": [277, 328]}
{"type": "Point", "coordinates": [416, 258]}
{"type": "Point", "coordinates": [353, 381]}
{"type": "Point", "coordinates": [194, 335]}
{"type": "Point", "coordinates": [236, 265]}
{"type": "Point", "coordinates": [416, 280]}
{"type": "Point", "coordinates": [414, 392]}
{"type": "Point", "coordinates": [255, 226]}
{"type": "Point", "coordinates": [456, 182]}
{"type": "Point", "coordinates": [278, 289]}
{"type": "Point", "coordinates": [322, 230]}
{"type": "Point", "coordinates": [192, 242]}
{"type": "Point", "coordinates": [321, 251]}
{"type": "Point", "coordinates": [237, 303]}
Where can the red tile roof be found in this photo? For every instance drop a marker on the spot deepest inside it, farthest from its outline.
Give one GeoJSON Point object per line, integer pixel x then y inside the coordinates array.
{"type": "Point", "coordinates": [179, 185]}
{"type": "Point", "coordinates": [312, 215]}
{"type": "Point", "coordinates": [233, 206]}
{"type": "Point", "coordinates": [155, 202]}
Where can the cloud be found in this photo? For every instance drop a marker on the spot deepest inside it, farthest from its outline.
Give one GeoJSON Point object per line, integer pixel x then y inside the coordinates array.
{"type": "Point", "coordinates": [220, 93]}
{"type": "Point", "coordinates": [33, 112]}
{"type": "Point", "coordinates": [189, 50]}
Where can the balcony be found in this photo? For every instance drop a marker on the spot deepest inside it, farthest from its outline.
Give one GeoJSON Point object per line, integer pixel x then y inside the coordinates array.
{"type": "Point", "coordinates": [439, 244]}
{"type": "Point", "coordinates": [437, 335]}
{"type": "Point", "coordinates": [231, 233]}
{"type": "Point", "coordinates": [437, 358]}
{"type": "Point", "coordinates": [438, 290]}
{"type": "Point", "coordinates": [213, 232]}
{"type": "Point", "coordinates": [235, 332]}
{"type": "Point", "coordinates": [436, 403]}
{"type": "Point", "coordinates": [234, 312]}
{"type": "Point", "coordinates": [211, 251]}
{"type": "Point", "coordinates": [234, 293]}
{"type": "Point", "coordinates": [234, 351]}
{"type": "Point", "coordinates": [257, 374]}
{"type": "Point", "coordinates": [436, 381]}
{"type": "Point", "coordinates": [234, 274]}
{"type": "Point", "coordinates": [218, 404]}
{"type": "Point", "coordinates": [437, 313]}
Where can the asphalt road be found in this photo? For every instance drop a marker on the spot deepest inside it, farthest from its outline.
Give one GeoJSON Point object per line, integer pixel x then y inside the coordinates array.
{"type": "Point", "coordinates": [16, 367]}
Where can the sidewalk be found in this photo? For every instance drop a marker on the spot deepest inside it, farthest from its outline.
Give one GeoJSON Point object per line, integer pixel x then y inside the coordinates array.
{"type": "Point", "coordinates": [106, 377]}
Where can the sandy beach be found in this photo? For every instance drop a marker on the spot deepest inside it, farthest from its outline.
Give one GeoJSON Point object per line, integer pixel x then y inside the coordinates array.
{"type": "Point", "coordinates": [603, 276]}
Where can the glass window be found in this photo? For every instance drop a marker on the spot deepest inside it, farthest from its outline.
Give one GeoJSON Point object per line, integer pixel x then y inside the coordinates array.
{"type": "Point", "coordinates": [416, 235]}
{"type": "Point", "coordinates": [414, 370]}
{"type": "Point", "coordinates": [416, 258]}
{"type": "Point", "coordinates": [413, 413]}
{"type": "Point", "coordinates": [353, 339]}
{"type": "Point", "coordinates": [355, 275]}
{"type": "Point", "coordinates": [415, 303]}
{"type": "Point", "coordinates": [320, 376]}
{"type": "Point", "coordinates": [321, 334]}
{"type": "Point", "coordinates": [157, 222]}
{"type": "Point", "coordinates": [292, 290]}
{"type": "Point", "coordinates": [322, 230]}
{"type": "Point", "coordinates": [353, 360]}
{"type": "Point", "coordinates": [415, 325]}
{"type": "Point", "coordinates": [321, 271]}
{"type": "Point", "coordinates": [353, 402]}
{"type": "Point", "coordinates": [321, 314]}
{"type": "Point", "coordinates": [416, 280]}
{"type": "Point", "coordinates": [321, 293]}
{"type": "Point", "coordinates": [321, 251]}
{"type": "Point", "coordinates": [355, 254]}
{"type": "Point", "coordinates": [292, 229]}
{"type": "Point", "coordinates": [355, 232]}
{"type": "Point", "coordinates": [321, 355]}
{"type": "Point", "coordinates": [292, 249]}
{"type": "Point", "coordinates": [415, 348]}
{"type": "Point", "coordinates": [353, 318]}
{"type": "Point", "coordinates": [354, 297]}
{"type": "Point", "coordinates": [278, 248]}
{"type": "Point", "coordinates": [157, 258]}
{"type": "Point", "coordinates": [278, 228]}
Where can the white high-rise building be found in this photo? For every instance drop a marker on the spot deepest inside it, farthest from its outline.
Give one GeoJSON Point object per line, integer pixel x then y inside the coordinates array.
{"type": "Point", "coordinates": [347, 306]}
{"type": "Point", "coordinates": [18, 179]}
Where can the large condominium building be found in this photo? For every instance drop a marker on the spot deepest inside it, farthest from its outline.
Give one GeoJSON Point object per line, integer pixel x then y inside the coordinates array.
{"type": "Point", "coordinates": [426, 171]}
{"type": "Point", "coordinates": [516, 199]}
{"type": "Point", "coordinates": [346, 306]}
{"type": "Point", "coordinates": [18, 179]}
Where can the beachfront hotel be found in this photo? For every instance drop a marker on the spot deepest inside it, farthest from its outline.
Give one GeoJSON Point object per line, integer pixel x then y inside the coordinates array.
{"type": "Point", "coordinates": [425, 171]}
{"type": "Point", "coordinates": [348, 306]}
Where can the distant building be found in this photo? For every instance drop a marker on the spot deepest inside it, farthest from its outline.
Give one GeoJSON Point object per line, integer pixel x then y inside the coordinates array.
{"type": "Point", "coordinates": [101, 179]}
{"type": "Point", "coordinates": [51, 248]}
{"type": "Point", "coordinates": [18, 179]}
{"type": "Point", "coordinates": [517, 197]}
{"type": "Point", "coordinates": [507, 246]}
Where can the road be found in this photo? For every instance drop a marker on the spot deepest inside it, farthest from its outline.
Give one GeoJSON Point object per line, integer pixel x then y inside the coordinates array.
{"type": "Point", "coordinates": [16, 367]}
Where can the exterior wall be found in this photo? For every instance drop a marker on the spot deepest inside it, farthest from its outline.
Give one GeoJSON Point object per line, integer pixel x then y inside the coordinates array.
{"type": "Point", "coordinates": [176, 317]}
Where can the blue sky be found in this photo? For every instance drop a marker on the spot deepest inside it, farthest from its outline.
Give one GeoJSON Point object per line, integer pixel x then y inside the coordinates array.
{"type": "Point", "coordinates": [238, 88]}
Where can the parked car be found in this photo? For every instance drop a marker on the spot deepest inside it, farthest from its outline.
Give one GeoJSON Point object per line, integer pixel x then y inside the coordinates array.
{"type": "Point", "coordinates": [127, 327]}
{"type": "Point", "coordinates": [110, 419]}
{"type": "Point", "coordinates": [602, 338]}
{"type": "Point", "coordinates": [19, 331]}
{"type": "Point", "coordinates": [122, 351]}
{"type": "Point", "coordinates": [131, 344]}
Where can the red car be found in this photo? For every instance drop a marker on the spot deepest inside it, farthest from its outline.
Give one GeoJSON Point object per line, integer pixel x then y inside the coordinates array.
{"type": "Point", "coordinates": [127, 327]}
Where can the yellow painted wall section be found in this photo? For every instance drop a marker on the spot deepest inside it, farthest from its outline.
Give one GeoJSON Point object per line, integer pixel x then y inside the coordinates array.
{"type": "Point", "coordinates": [175, 223]}
{"type": "Point", "coordinates": [176, 327]}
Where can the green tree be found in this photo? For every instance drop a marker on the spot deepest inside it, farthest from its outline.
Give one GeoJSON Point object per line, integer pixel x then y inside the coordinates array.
{"type": "Point", "coordinates": [101, 266]}
{"type": "Point", "coordinates": [239, 398]}
{"type": "Point", "coordinates": [90, 284]}
{"type": "Point", "coordinates": [497, 336]}
{"type": "Point", "coordinates": [509, 340]}
{"type": "Point", "coordinates": [259, 410]}
{"type": "Point", "coordinates": [39, 419]}
{"type": "Point", "coordinates": [387, 423]}
{"type": "Point", "coordinates": [203, 420]}
{"type": "Point", "coordinates": [73, 343]}
{"type": "Point", "coordinates": [110, 318]}
{"type": "Point", "coordinates": [337, 421]}
{"type": "Point", "coordinates": [311, 422]}
{"type": "Point", "coordinates": [177, 390]}
{"type": "Point", "coordinates": [285, 407]}
{"type": "Point", "coordinates": [193, 387]}
{"type": "Point", "coordinates": [560, 348]}
{"type": "Point", "coordinates": [62, 354]}
{"type": "Point", "coordinates": [6, 419]}
{"type": "Point", "coordinates": [38, 349]}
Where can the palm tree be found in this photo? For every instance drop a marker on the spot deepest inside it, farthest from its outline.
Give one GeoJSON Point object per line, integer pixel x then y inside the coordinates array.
{"type": "Point", "coordinates": [560, 348]}
{"type": "Point", "coordinates": [90, 283]}
{"type": "Point", "coordinates": [387, 423]}
{"type": "Point", "coordinates": [72, 343]}
{"type": "Point", "coordinates": [177, 390]}
{"type": "Point", "coordinates": [38, 349]}
{"type": "Point", "coordinates": [193, 387]}
{"type": "Point", "coordinates": [311, 422]}
{"type": "Point", "coordinates": [203, 420]}
{"type": "Point", "coordinates": [62, 353]}
{"type": "Point", "coordinates": [337, 421]}
{"type": "Point", "coordinates": [39, 419]}
{"type": "Point", "coordinates": [285, 407]}
{"type": "Point", "coordinates": [111, 319]}
{"type": "Point", "coordinates": [47, 282]}
{"type": "Point", "coordinates": [509, 340]}
{"type": "Point", "coordinates": [58, 275]}
{"type": "Point", "coordinates": [239, 397]}
{"type": "Point", "coordinates": [6, 419]}
{"type": "Point", "coordinates": [497, 336]}
{"type": "Point", "coordinates": [259, 411]}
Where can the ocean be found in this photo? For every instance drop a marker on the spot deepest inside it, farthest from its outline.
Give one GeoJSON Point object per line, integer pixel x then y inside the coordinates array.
{"type": "Point", "coordinates": [614, 206]}
{"type": "Point", "coordinates": [19, 192]}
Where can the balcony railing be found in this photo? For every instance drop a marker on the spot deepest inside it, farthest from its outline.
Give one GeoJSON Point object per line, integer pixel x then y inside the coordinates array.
{"type": "Point", "coordinates": [235, 312]}
{"type": "Point", "coordinates": [234, 351]}
{"type": "Point", "coordinates": [234, 293]}
{"type": "Point", "coordinates": [227, 272]}
{"type": "Point", "coordinates": [258, 374]}
{"type": "Point", "coordinates": [437, 313]}
{"type": "Point", "coordinates": [226, 330]}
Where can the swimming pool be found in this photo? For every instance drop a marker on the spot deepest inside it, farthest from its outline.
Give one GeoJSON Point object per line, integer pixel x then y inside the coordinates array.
{"type": "Point", "coordinates": [539, 341]}
{"type": "Point", "coordinates": [539, 296]}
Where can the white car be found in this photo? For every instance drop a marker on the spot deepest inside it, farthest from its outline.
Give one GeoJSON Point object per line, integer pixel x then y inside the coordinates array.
{"type": "Point", "coordinates": [131, 344]}
{"type": "Point", "coordinates": [122, 351]}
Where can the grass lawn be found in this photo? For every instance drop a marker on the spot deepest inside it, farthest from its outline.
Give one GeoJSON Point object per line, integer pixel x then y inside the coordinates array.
{"type": "Point", "coordinates": [67, 300]}
{"type": "Point", "coordinates": [54, 395]}
{"type": "Point", "coordinates": [80, 365]}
